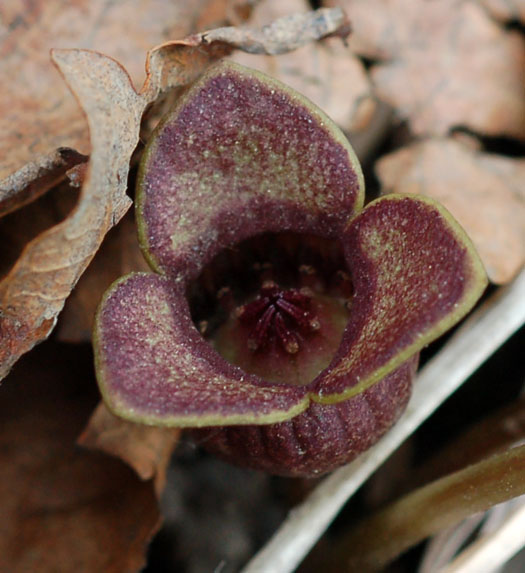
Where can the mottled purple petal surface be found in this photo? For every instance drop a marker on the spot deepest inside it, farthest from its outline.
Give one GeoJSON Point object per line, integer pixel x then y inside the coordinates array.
{"type": "Point", "coordinates": [323, 437]}
{"type": "Point", "coordinates": [241, 154]}
{"type": "Point", "coordinates": [415, 274]}
{"type": "Point", "coordinates": [154, 367]}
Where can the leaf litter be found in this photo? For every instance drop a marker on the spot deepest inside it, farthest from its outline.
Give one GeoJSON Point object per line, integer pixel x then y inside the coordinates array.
{"type": "Point", "coordinates": [443, 64]}
{"type": "Point", "coordinates": [470, 78]}
{"type": "Point", "coordinates": [34, 291]}
{"type": "Point", "coordinates": [65, 508]}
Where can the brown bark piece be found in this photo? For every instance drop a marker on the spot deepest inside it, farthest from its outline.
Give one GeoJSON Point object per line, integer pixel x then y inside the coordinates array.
{"type": "Point", "coordinates": [483, 191]}
{"type": "Point", "coordinates": [446, 64]}
{"type": "Point", "coordinates": [326, 72]}
{"type": "Point", "coordinates": [64, 508]}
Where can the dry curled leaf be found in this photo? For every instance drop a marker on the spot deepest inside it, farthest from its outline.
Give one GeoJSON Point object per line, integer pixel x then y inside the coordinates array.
{"type": "Point", "coordinates": [146, 449]}
{"type": "Point", "coordinates": [505, 10]}
{"type": "Point", "coordinates": [446, 64]}
{"type": "Point", "coordinates": [326, 72]}
{"type": "Point", "coordinates": [287, 32]}
{"type": "Point", "coordinates": [38, 116]}
{"type": "Point", "coordinates": [37, 177]}
{"type": "Point", "coordinates": [483, 191]}
{"type": "Point", "coordinates": [22, 225]}
{"type": "Point", "coordinates": [64, 508]}
{"type": "Point", "coordinates": [33, 293]}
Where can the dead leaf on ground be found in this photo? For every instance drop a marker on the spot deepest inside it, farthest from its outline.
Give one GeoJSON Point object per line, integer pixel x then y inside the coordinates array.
{"type": "Point", "coordinates": [33, 293]}
{"type": "Point", "coordinates": [145, 448]}
{"type": "Point", "coordinates": [64, 508]}
{"type": "Point", "coordinates": [326, 72]}
{"type": "Point", "coordinates": [19, 227]}
{"type": "Point", "coordinates": [37, 113]}
{"type": "Point", "coordinates": [36, 178]}
{"type": "Point", "coordinates": [505, 10]}
{"type": "Point", "coordinates": [483, 191]}
{"type": "Point", "coordinates": [446, 64]}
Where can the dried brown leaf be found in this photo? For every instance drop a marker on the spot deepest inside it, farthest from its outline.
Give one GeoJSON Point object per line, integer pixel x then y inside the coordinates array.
{"type": "Point", "coordinates": [21, 226]}
{"type": "Point", "coordinates": [37, 114]}
{"type": "Point", "coordinates": [285, 33]}
{"type": "Point", "coordinates": [175, 64]}
{"type": "Point", "coordinates": [505, 10]}
{"type": "Point", "coordinates": [447, 64]}
{"type": "Point", "coordinates": [64, 508]}
{"type": "Point", "coordinates": [483, 191]}
{"type": "Point", "coordinates": [34, 292]}
{"type": "Point", "coordinates": [146, 449]}
{"type": "Point", "coordinates": [37, 177]}
{"type": "Point", "coordinates": [326, 72]}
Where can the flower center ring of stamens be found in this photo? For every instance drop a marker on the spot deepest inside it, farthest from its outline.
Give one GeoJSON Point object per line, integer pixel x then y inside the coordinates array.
{"type": "Point", "coordinates": [281, 315]}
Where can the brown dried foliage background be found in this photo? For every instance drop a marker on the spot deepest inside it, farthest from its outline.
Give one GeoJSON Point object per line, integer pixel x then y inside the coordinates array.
{"type": "Point", "coordinates": [440, 85]}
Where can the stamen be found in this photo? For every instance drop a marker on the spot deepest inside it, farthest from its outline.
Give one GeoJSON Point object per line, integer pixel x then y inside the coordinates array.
{"type": "Point", "coordinates": [225, 298]}
{"type": "Point", "coordinates": [309, 277]}
{"type": "Point", "coordinates": [263, 325]}
{"type": "Point", "coordinates": [287, 339]}
{"type": "Point", "coordinates": [279, 315]}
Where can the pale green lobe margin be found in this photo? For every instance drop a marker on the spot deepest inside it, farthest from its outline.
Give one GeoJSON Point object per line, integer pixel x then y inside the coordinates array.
{"type": "Point", "coordinates": [180, 421]}
{"type": "Point", "coordinates": [295, 97]}
{"type": "Point", "coordinates": [120, 407]}
{"type": "Point", "coordinates": [477, 282]}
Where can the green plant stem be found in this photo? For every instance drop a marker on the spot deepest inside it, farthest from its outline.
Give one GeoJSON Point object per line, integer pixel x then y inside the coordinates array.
{"type": "Point", "coordinates": [434, 507]}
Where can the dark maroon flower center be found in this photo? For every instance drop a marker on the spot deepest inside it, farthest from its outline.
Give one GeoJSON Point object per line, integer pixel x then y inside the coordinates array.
{"type": "Point", "coordinates": [275, 305]}
{"type": "Point", "coordinates": [279, 315]}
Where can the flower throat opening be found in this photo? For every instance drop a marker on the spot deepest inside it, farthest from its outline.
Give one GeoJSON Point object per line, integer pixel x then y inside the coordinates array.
{"type": "Point", "coordinates": [275, 305]}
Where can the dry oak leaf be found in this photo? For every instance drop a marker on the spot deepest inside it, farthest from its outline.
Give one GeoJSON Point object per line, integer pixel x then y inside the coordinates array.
{"type": "Point", "coordinates": [38, 116]}
{"type": "Point", "coordinates": [33, 293]}
{"type": "Point", "coordinates": [483, 191]}
{"type": "Point", "coordinates": [64, 508]}
{"type": "Point", "coordinates": [21, 226]}
{"type": "Point", "coordinates": [326, 72]}
{"type": "Point", "coordinates": [146, 449]}
{"type": "Point", "coordinates": [446, 64]}
{"type": "Point", "coordinates": [505, 10]}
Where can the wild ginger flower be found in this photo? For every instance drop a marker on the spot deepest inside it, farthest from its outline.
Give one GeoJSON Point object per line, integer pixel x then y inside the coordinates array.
{"type": "Point", "coordinates": [298, 364]}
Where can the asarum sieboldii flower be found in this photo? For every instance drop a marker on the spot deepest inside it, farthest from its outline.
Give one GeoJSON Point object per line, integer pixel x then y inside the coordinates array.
{"type": "Point", "coordinates": [283, 320]}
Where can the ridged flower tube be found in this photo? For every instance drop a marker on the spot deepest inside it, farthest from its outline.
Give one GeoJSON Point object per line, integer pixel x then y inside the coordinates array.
{"type": "Point", "coordinates": [301, 361]}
